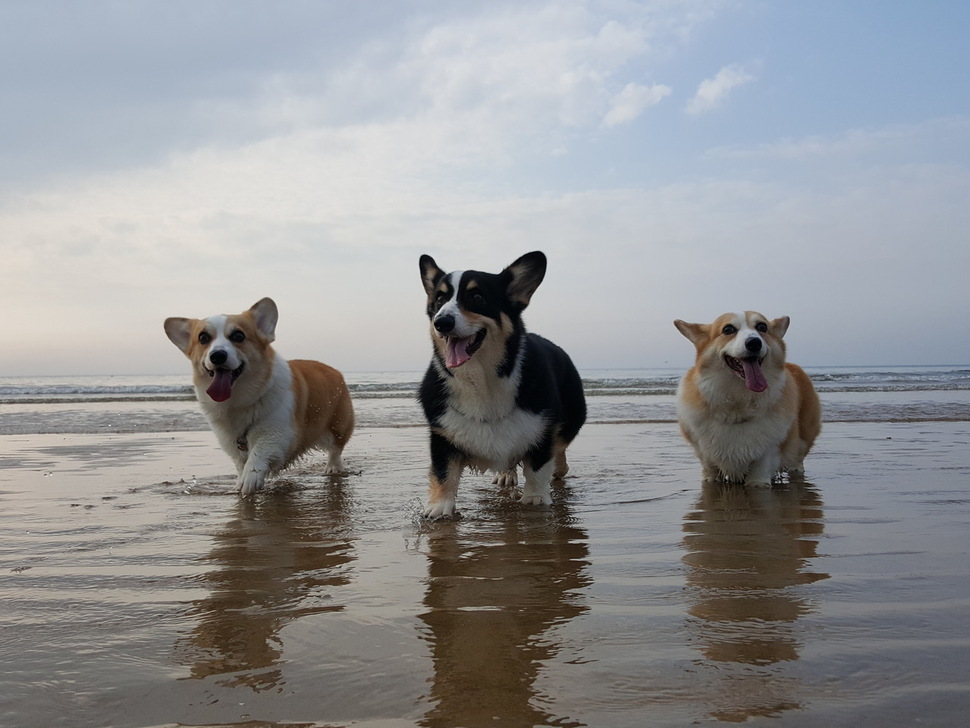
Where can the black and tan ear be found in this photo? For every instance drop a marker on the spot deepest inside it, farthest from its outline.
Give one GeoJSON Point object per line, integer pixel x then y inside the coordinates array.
{"type": "Point", "coordinates": [266, 315]}
{"type": "Point", "coordinates": [524, 277]}
{"type": "Point", "coordinates": [178, 331]}
{"type": "Point", "coordinates": [779, 327]}
{"type": "Point", "coordinates": [697, 333]}
{"type": "Point", "coordinates": [430, 274]}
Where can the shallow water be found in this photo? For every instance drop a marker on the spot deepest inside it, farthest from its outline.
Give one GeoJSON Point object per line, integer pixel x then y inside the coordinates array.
{"type": "Point", "coordinates": [138, 590]}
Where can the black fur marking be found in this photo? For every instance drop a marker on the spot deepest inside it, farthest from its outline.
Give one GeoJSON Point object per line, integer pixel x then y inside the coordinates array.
{"type": "Point", "coordinates": [442, 453]}
{"type": "Point", "coordinates": [551, 385]}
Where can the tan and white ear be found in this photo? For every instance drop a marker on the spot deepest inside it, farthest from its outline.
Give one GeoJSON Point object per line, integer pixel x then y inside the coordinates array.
{"type": "Point", "coordinates": [266, 316]}
{"type": "Point", "coordinates": [430, 273]}
{"type": "Point", "coordinates": [178, 331]}
{"type": "Point", "coordinates": [779, 327]}
{"type": "Point", "coordinates": [524, 277]}
{"type": "Point", "coordinates": [697, 333]}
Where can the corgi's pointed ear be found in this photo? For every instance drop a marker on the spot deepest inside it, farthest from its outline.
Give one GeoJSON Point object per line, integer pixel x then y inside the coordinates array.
{"type": "Point", "coordinates": [178, 331]}
{"type": "Point", "coordinates": [430, 273]}
{"type": "Point", "coordinates": [266, 316]}
{"type": "Point", "coordinates": [697, 333]}
{"type": "Point", "coordinates": [779, 327]}
{"type": "Point", "coordinates": [524, 277]}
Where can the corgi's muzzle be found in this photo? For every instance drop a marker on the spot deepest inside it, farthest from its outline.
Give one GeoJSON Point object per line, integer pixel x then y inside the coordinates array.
{"type": "Point", "coordinates": [222, 377]}
{"type": "Point", "coordinates": [458, 349]}
{"type": "Point", "coordinates": [749, 368]}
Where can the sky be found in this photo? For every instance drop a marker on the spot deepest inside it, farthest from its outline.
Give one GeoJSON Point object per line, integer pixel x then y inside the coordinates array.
{"type": "Point", "coordinates": [672, 158]}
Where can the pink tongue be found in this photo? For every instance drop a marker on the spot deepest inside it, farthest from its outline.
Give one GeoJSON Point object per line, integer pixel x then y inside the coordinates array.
{"type": "Point", "coordinates": [221, 388]}
{"type": "Point", "coordinates": [457, 352]}
{"type": "Point", "coordinates": [754, 378]}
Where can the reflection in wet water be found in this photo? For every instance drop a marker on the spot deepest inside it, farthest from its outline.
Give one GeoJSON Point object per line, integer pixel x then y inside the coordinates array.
{"type": "Point", "coordinates": [493, 599]}
{"type": "Point", "coordinates": [277, 561]}
{"type": "Point", "coordinates": [748, 549]}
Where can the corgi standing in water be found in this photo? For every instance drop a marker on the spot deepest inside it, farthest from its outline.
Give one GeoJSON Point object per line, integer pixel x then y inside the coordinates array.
{"type": "Point", "coordinates": [493, 394]}
{"type": "Point", "coordinates": [748, 413]}
{"type": "Point", "coordinates": [265, 411]}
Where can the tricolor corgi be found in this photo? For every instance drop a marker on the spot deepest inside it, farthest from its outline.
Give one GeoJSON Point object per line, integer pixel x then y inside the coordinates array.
{"type": "Point", "coordinates": [265, 411]}
{"type": "Point", "coordinates": [748, 414]}
{"type": "Point", "coordinates": [494, 395]}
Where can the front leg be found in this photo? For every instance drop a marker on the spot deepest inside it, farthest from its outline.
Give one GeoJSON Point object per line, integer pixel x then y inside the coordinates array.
{"type": "Point", "coordinates": [711, 473]}
{"type": "Point", "coordinates": [763, 470]}
{"type": "Point", "coordinates": [537, 490]}
{"type": "Point", "coordinates": [447, 463]}
{"type": "Point", "coordinates": [265, 454]}
{"type": "Point", "coordinates": [252, 478]}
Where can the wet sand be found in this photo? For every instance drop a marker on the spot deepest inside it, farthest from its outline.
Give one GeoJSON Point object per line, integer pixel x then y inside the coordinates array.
{"type": "Point", "coordinates": [138, 590]}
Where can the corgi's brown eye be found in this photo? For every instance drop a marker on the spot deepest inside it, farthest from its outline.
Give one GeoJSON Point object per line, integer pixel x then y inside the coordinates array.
{"type": "Point", "coordinates": [204, 338]}
{"type": "Point", "coordinates": [478, 297]}
{"type": "Point", "coordinates": [237, 337]}
{"type": "Point", "coordinates": [762, 327]}
{"type": "Point", "coordinates": [729, 329]}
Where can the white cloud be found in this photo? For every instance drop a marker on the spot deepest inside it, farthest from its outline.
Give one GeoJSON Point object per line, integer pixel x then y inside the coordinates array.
{"type": "Point", "coordinates": [935, 138]}
{"type": "Point", "coordinates": [631, 101]}
{"type": "Point", "coordinates": [306, 220]}
{"type": "Point", "coordinates": [498, 78]}
{"type": "Point", "coordinates": [712, 92]}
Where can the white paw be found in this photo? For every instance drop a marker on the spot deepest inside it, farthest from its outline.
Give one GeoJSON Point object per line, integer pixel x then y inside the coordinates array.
{"type": "Point", "coordinates": [710, 475]}
{"type": "Point", "coordinates": [335, 466]}
{"type": "Point", "coordinates": [444, 508]}
{"type": "Point", "coordinates": [506, 480]}
{"type": "Point", "coordinates": [758, 483]}
{"type": "Point", "coordinates": [535, 497]}
{"type": "Point", "coordinates": [251, 481]}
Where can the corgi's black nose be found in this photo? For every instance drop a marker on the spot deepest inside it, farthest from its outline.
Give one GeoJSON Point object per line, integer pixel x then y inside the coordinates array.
{"type": "Point", "coordinates": [753, 344]}
{"type": "Point", "coordinates": [218, 357]}
{"type": "Point", "coordinates": [444, 324]}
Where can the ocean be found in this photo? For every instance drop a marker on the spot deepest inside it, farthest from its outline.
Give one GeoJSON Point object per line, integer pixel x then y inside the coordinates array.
{"type": "Point", "coordinates": [165, 403]}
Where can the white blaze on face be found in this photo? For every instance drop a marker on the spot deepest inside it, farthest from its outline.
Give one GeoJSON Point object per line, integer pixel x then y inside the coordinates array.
{"type": "Point", "coordinates": [748, 332]}
{"type": "Point", "coordinates": [223, 374]}
{"type": "Point", "coordinates": [736, 346]}
{"type": "Point", "coordinates": [461, 335]}
{"type": "Point", "coordinates": [462, 329]}
{"type": "Point", "coordinates": [220, 341]}
{"type": "Point", "coordinates": [451, 306]}
{"type": "Point", "coordinates": [749, 361]}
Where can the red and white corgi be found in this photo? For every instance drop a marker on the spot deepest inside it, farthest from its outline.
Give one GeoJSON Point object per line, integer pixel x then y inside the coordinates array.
{"type": "Point", "coordinates": [748, 414]}
{"type": "Point", "coordinates": [265, 411]}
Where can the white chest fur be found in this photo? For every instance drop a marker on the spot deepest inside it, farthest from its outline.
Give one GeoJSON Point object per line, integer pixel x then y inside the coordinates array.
{"type": "Point", "coordinates": [732, 428]}
{"type": "Point", "coordinates": [496, 444]}
{"type": "Point", "coordinates": [483, 419]}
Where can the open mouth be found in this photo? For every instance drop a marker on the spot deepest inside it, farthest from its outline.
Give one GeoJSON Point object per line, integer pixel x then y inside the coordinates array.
{"type": "Point", "coordinates": [750, 371]}
{"type": "Point", "coordinates": [459, 350]}
{"type": "Point", "coordinates": [222, 380]}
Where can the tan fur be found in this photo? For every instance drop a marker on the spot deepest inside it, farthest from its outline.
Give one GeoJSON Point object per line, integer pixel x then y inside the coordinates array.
{"type": "Point", "coordinates": [322, 405]}
{"type": "Point", "coordinates": [740, 435]}
{"type": "Point", "coordinates": [278, 410]}
{"type": "Point", "coordinates": [488, 357]}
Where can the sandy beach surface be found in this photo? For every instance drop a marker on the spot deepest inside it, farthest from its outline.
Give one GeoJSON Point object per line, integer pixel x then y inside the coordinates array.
{"type": "Point", "coordinates": [138, 590]}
